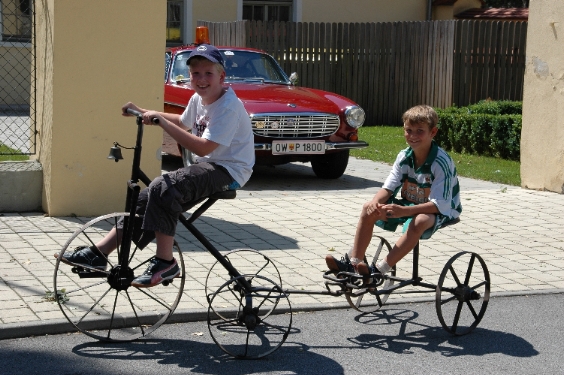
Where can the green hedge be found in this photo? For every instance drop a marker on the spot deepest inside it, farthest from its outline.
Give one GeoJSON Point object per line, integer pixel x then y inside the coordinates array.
{"type": "Point", "coordinates": [487, 128]}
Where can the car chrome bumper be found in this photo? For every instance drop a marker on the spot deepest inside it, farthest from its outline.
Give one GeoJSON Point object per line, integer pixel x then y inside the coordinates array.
{"type": "Point", "coordinates": [328, 145]}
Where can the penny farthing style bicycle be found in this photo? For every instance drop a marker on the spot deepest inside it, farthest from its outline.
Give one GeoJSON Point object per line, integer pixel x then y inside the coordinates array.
{"type": "Point", "coordinates": [102, 303]}
{"type": "Point", "coordinates": [243, 316]}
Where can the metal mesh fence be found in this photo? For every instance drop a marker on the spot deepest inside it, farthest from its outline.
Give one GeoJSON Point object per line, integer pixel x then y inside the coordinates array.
{"type": "Point", "coordinates": [17, 54]}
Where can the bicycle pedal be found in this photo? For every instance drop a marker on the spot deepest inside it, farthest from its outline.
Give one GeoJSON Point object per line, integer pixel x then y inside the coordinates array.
{"type": "Point", "coordinates": [88, 274]}
{"type": "Point", "coordinates": [376, 279]}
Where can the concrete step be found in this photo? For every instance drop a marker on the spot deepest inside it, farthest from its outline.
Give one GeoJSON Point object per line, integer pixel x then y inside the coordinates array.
{"type": "Point", "coordinates": [21, 184]}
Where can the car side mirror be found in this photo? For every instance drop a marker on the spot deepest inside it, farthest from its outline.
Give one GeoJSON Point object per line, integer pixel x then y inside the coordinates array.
{"type": "Point", "coordinates": [294, 79]}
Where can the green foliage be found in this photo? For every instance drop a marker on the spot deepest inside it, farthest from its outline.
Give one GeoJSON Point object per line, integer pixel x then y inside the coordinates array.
{"type": "Point", "coordinates": [386, 141]}
{"type": "Point", "coordinates": [487, 128]}
{"type": "Point", "coordinates": [490, 107]}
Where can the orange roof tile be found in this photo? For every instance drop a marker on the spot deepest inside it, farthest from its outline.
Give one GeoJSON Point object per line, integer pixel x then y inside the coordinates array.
{"type": "Point", "coordinates": [495, 13]}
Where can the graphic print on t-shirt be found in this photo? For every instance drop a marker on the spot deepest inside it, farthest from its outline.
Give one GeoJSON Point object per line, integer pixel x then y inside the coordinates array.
{"type": "Point", "coordinates": [201, 124]}
{"type": "Point", "coordinates": [414, 193]}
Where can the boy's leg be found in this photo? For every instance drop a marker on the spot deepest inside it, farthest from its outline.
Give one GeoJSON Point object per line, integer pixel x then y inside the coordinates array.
{"type": "Point", "coordinates": [419, 224]}
{"type": "Point", "coordinates": [364, 230]}
{"type": "Point", "coordinates": [109, 243]}
{"type": "Point", "coordinates": [164, 246]}
{"type": "Point", "coordinates": [96, 256]}
{"type": "Point", "coordinates": [168, 196]}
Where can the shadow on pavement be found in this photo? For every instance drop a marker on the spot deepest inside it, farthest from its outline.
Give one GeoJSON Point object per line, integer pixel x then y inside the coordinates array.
{"type": "Point", "coordinates": [434, 339]}
{"type": "Point", "coordinates": [207, 358]}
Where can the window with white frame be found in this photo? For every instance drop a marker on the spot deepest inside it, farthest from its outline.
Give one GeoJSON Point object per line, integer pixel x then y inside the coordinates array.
{"type": "Point", "coordinates": [267, 10]}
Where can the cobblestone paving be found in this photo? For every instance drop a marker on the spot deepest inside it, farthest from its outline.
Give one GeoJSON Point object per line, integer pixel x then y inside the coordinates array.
{"type": "Point", "coordinates": [294, 218]}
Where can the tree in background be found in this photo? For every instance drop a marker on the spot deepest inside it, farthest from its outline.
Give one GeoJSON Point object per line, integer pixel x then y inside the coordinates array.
{"type": "Point", "coordinates": [506, 3]}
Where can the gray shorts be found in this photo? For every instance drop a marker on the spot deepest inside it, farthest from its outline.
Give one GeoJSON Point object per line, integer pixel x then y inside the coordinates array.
{"type": "Point", "coordinates": [169, 195]}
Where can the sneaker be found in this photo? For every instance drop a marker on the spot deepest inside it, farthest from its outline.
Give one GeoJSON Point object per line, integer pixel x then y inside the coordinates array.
{"type": "Point", "coordinates": [343, 265]}
{"type": "Point", "coordinates": [157, 272]}
{"type": "Point", "coordinates": [368, 270]}
{"type": "Point", "coordinates": [89, 257]}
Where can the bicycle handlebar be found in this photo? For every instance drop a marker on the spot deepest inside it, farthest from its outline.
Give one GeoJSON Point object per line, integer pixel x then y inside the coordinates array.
{"type": "Point", "coordinates": [139, 114]}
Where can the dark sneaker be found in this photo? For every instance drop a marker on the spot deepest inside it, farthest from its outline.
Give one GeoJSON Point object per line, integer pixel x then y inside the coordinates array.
{"type": "Point", "coordinates": [157, 272]}
{"type": "Point", "coordinates": [85, 256]}
{"type": "Point", "coordinates": [343, 265]}
{"type": "Point", "coordinates": [366, 270]}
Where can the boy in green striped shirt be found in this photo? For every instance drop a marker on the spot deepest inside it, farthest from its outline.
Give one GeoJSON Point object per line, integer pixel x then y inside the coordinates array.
{"type": "Point", "coordinates": [425, 177]}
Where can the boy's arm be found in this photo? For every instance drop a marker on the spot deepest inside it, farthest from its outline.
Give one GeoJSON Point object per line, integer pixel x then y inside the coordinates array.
{"type": "Point", "coordinates": [170, 117]}
{"type": "Point", "coordinates": [394, 210]}
{"type": "Point", "coordinates": [382, 196]}
{"type": "Point", "coordinates": [377, 202]}
{"type": "Point", "coordinates": [171, 124]}
{"type": "Point", "coordinates": [199, 146]}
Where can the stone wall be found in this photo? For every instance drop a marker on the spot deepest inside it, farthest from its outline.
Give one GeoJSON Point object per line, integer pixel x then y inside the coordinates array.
{"type": "Point", "coordinates": [542, 138]}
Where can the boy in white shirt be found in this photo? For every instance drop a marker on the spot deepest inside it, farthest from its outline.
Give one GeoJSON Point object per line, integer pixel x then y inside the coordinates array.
{"type": "Point", "coordinates": [214, 126]}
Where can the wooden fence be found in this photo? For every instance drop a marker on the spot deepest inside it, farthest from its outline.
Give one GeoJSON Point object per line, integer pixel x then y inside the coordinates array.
{"type": "Point", "coordinates": [489, 61]}
{"type": "Point", "coordinates": [389, 67]}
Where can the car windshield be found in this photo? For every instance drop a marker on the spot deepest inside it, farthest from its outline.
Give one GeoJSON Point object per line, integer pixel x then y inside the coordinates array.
{"type": "Point", "coordinates": [239, 66]}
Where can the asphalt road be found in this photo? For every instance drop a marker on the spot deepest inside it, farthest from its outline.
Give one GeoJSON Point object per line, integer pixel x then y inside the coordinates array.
{"type": "Point", "coordinates": [518, 335]}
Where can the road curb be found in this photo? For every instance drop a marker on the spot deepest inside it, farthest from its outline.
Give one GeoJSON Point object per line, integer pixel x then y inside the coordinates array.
{"type": "Point", "coordinates": [59, 326]}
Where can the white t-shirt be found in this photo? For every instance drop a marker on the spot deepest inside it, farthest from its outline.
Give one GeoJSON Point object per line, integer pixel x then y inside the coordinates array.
{"type": "Point", "coordinates": [227, 123]}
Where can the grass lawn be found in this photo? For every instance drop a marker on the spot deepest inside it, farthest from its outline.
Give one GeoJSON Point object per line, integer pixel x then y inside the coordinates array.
{"type": "Point", "coordinates": [6, 150]}
{"type": "Point", "coordinates": [386, 141]}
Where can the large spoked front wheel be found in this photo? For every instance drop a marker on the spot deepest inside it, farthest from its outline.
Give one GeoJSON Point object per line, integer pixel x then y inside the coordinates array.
{"type": "Point", "coordinates": [101, 304]}
{"type": "Point", "coordinates": [462, 293]}
{"type": "Point", "coordinates": [250, 322]}
{"type": "Point", "coordinates": [372, 299]}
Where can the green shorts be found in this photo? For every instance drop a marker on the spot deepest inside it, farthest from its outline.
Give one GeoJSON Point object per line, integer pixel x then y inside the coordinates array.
{"type": "Point", "coordinates": [392, 223]}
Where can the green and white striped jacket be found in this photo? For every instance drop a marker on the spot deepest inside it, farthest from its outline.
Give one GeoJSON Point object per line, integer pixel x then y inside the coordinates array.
{"type": "Point", "coordinates": [435, 181]}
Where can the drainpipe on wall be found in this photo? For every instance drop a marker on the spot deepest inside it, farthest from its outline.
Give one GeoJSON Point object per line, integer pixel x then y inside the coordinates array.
{"type": "Point", "coordinates": [429, 9]}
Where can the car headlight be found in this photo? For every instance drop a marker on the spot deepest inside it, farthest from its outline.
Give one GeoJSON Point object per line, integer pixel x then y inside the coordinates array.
{"type": "Point", "coordinates": [355, 116]}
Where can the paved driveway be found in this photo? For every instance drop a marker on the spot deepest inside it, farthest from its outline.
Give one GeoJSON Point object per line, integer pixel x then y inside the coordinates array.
{"type": "Point", "coordinates": [295, 219]}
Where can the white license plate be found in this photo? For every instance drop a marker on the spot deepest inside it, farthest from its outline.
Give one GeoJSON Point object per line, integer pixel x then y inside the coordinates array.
{"type": "Point", "coordinates": [298, 147]}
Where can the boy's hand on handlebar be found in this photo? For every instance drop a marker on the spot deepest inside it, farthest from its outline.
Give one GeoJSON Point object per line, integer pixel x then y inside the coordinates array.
{"type": "Point", "coordinates": [132, 106]}
{"type": "Point", "coordinates": [153, 118]}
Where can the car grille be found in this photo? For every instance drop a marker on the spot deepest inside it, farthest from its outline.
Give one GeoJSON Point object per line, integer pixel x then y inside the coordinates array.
{"type": "Point", "coordinates": [295, 125]}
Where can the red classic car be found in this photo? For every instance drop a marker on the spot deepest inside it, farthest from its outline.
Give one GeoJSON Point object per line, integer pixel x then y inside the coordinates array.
{"type": "Point", "coordinates": [290, 123]}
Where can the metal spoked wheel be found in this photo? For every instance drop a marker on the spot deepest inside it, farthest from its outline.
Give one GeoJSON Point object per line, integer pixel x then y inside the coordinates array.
{"type": "Point", "coordinates": [247, 262]}
{"type": "Point", "coordinates": [101, 306]}
{"type": "Point", "coordinates": [249, 324]}
{"type": "Point", "coordinates": [462, 293]}
{"type": "Point", "coordinates": [372, 301]}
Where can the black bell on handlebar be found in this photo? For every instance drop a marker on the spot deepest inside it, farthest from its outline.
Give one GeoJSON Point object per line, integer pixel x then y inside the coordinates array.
{"type": "Point", "coordinates": [115, 153]}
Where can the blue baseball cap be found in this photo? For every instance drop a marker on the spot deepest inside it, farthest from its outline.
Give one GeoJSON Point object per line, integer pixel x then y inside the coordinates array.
{"type": "Point", "coordinates": [209, 52]}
